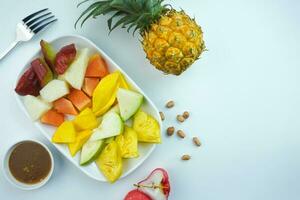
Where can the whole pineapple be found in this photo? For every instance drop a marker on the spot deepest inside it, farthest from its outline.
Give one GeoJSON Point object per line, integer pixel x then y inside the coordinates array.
{"type": "Point", "coordinates": [171, 39]}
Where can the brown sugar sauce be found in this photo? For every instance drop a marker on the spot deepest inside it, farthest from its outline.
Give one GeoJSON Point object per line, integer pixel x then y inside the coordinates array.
{"type": "Point", "coordinates": [29, 162]}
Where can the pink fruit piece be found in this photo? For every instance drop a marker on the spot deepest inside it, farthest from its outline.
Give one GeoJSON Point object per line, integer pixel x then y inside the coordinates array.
{"type": "Point", "coordinates": [64, 58]}
{"type": "Point", "coordinates": [28, 84]}
{"type": "Point", "coordinates": [136, 195]}
{"type": "Point", "coordinates": [156, 185]}
{"type": "Point", "coordinates": [42, 71]}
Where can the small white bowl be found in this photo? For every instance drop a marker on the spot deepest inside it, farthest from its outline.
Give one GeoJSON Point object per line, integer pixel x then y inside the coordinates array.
{"type": "Point", "coordinates": [13, 180]}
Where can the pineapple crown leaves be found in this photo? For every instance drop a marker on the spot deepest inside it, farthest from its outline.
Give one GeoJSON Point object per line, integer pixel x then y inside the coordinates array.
{"type": "Point", "coordinates": [128, 13]}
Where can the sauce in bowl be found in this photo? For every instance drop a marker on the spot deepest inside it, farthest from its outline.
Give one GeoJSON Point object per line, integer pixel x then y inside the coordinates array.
{"type": "Point", "coordinates": [29, 162]}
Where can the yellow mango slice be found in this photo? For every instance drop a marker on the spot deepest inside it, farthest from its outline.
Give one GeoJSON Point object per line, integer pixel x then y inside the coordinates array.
{"type": "Point", "coordinates": [123, 83]}
{"type": "Point", "coordinates": [108, 105]}
{"type": "Point", "coordinates": [110, 162]}
{"type": "Point", "coordinates": [65, 133]}
{"type": "Point", "coordinates": [85, 120]}
{"type": "Point", "coordinates": [81, 138]}
{"type": "Point", "coordinates": [104, 94]}
{"type": "Point", "coordinates": [128, 143]}
{"type": "Point", "coordinates": [147, 128]}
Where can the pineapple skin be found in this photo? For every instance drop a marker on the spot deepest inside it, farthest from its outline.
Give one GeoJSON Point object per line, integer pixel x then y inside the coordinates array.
{"type": "Point", "coordinates": [173, 43]}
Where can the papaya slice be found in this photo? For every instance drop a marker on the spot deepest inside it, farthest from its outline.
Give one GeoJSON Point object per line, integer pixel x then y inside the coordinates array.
{"type": "Point", "coordinates": [89, 85]}
{"type": "Point", "coordinates": [53, 118]}
{"type": "Point", "coordinates": [79, 99]}
{"type": "Point", "coordinates": [97, 67]}
{"type": "Point", "coordinates": [64, 106]}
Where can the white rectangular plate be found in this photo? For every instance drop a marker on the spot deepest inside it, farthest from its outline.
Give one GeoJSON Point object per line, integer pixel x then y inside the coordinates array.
{"type": "Point", "coordinates": [129, 165]}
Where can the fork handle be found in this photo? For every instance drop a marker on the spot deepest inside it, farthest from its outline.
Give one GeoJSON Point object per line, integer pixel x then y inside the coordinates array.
{"type": "Point", "coordinates": [6, 51]}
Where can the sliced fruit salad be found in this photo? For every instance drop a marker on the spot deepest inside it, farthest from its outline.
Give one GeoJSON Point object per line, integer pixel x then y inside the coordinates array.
{"type": "Point", "coordinates": [94, 111]}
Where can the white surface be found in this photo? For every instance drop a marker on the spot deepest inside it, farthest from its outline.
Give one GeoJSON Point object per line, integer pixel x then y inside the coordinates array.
{"type": "Point", "coordinates": [243, 96]}
{"type": "Point", "coordinates": [92, 170]}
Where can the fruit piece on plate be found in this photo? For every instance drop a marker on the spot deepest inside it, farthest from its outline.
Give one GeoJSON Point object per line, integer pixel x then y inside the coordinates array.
{"type": "Point", "coordinates": [65, 133]}
{"type": "Point", "coordinates": [136, 195]}
{"type": "Point", "coordinates": [104, 94]}
{"type": "Point", "coordinates": [81, 138]}
{"type": "Point", "coordinates": [28, 84]}
{"type": "Point", "coordinates": [35, 106]}
{"type": "Point", "coordinates": [79, 99]}
{"type": "Point", "coordinates": [85, 120]}
{"type": "Point", "coordinates": [123, 82]}
{"type": "Point", "coordinates": [64, 106]}
{"type": "Point", "coordinates": [128, 143]}
{"type": "Point", "coordinates": [97, 67]}
{"type": "Point", "coordinates": [90, 151]}
{"type": "Point", "coordinates": [109, 140]}
{"type": "Point", "coordinates": [89, 85]}
{"type": "Point", "coordinates": [156, 185]}
{"type": "Point", "coordinates": [115, 109]}
{"type": "Point", "coordinates": [54, 90]}
{"type": "Point", "coordinates": [110, 162]}
{"type": "Point", "coordinates": [74, 75]}
{"type": "Point", "coordinates": [147, 128]}
{"type": "Point", "coordinates": [64, 58]}
{"type": "Point", "coordinates": [110, 126]}
{"type": "Point", "coordinates": [42, 71]}
{"type": "Point", "coordinates": [129, 102]}
{"type": "Point", "coordinates": [53, 118]}
{"type": "Point", "coordinates": [49, 53]}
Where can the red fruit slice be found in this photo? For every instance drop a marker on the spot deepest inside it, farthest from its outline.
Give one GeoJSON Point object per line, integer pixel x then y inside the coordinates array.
{"type": "Point", "coordinates": [65, 106]}
{"type": "Point", "coordinates": [52, 117]}
{"type": "Point", "coordinates": [97, 67]}
{"type": "Point", "coordinates": [28, 84]}
{"type": "Point", "coordinates": [42, 71]}
{"type": "Point", "coordinates": [79, 99]}
{"type": "Point", "coordinates": [89, 85]}
{"type": "Point", "coordinates": [136, 195]}
{"type": "Point", "coordinates": [38, 68]}
{"type": "Point", "coordinates": [64, 58]}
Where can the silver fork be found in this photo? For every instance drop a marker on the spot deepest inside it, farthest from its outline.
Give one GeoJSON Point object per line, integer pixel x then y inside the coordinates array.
{"type": "Point", "coordinates": [29, 26]}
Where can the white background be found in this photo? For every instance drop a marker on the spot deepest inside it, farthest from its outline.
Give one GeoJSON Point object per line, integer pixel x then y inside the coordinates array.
{"type": "Point", "coordinates": [243, 96]}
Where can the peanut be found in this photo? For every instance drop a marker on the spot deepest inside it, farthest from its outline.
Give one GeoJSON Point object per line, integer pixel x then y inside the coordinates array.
{"type": "Point", "coordinates": [186, 114]}
{"type": "Point", "coordinates": [170, 104]}
{"type": "Point", "coordinates": [196, 141]}
{"type": "Point", "coordinates": [180, 118]}
{"type": "Point", "coordinates": [186, 157]}
{"type": "Point", "coordinates": [162, 116]}
{"type": "Point", "coordinates": [181, 134]}
{"type": "Point", "coordinates": [170, 131]}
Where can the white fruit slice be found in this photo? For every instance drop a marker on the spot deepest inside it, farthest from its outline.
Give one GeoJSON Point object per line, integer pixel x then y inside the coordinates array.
{"type": "Point", "coordinates": [129, 102]}
{"type": "Point", "coordinates": [90, 151]}
{"type": "Point", "coordinates": [35, 106]}
{"type": "Point", "coordinates": [74, 75]}
{"type": "Point", "coordinates": [110, 126]}
{"type": "Point", "coordinates": [54, 90]}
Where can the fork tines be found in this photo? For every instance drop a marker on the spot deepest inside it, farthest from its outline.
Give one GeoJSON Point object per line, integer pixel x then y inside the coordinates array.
{"type": "Point", "coordinates": [39, 20]}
